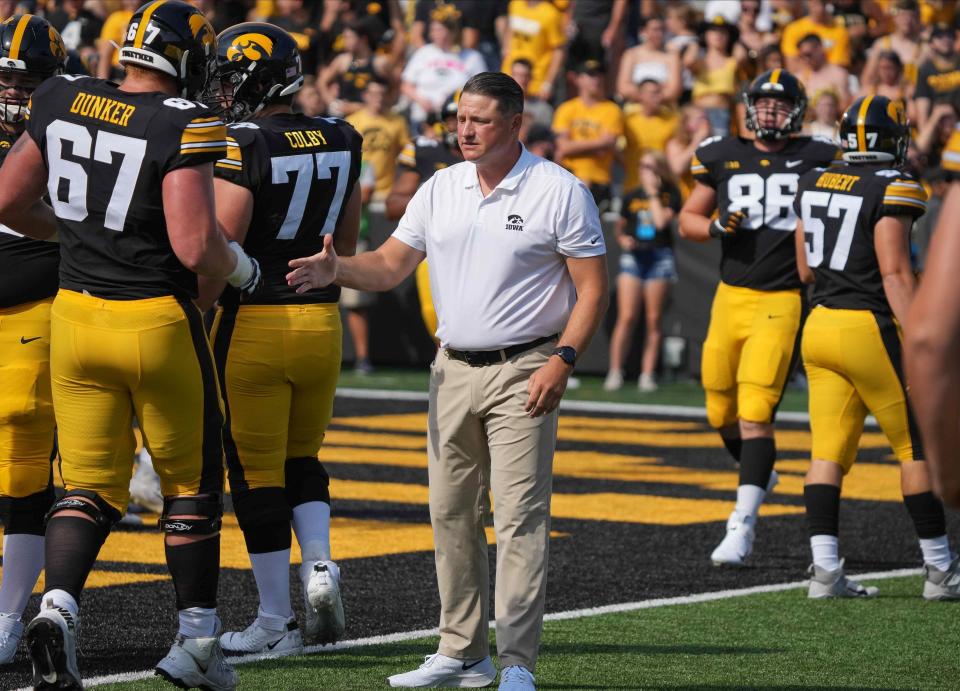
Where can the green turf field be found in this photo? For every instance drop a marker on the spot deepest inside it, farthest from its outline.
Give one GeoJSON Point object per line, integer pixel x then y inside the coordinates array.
{"type": "Point", "coordinates": [684, 392]}
{"type": "Point", "coordinates": [771, 640]}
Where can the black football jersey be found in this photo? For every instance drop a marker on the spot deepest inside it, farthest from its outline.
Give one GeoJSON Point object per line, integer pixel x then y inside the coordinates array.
{"type": "Point", "coordinates": [28, 268]}
{"type": "Point", "coordinates": [301, 171]}
{"type": "Point", "coordinates": [425, 157]}
{"type": "Point", "coordinates": [107, 152]}
{"type": "Point", "coordinates": [762, 185]}
{"type": "Point", "coordinates": [840, 208]}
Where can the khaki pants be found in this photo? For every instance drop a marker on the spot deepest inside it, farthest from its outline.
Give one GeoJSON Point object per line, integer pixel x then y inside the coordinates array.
{"type": "Point", "coordinates": [480, 439]}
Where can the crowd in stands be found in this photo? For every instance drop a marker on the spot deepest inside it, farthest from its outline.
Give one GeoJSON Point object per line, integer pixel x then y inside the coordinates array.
{"type": "Point", "coordinates": [620, 92]}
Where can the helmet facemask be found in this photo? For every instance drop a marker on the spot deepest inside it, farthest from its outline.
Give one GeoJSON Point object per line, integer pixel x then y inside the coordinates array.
{"type": "Point", "coordinates": [238, 93]}
{"type": "Point", "coordinates": [14, 109]}
{"type": "Point", "coordinates": [793, 122]}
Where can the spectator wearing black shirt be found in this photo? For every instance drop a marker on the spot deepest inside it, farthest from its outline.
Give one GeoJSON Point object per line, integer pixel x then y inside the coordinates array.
{"type": "Point", "coordinates": [647, 267]}
{"type": "Point", "coordinates": [79, 27]}
{"type": "Point", "coordinates": [939, 76]}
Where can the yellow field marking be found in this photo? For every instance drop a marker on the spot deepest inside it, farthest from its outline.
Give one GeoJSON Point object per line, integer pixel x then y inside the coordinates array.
{"type": "Point", "coordinates": [866, 481]}
{"type": "Point", "coordinates": [387, 441]}
{"type": "Point", "coordinates": [401, 422]}
{"type": "Point", "coordinates": [651, 510]}
{"type": "Point", "coordinates": [417, 422]}
{"type": "Point", "coordinates": [349, 454]}
{"type": "Point", "coordinates": [105, 579]}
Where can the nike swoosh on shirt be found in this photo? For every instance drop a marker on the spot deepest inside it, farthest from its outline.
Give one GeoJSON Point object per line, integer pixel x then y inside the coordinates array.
{"type": "Point", "coordinates": [595, 240]}
{"type": "Point", "coordinates": [29, 340]}
{"type": "Point", "coordinates": [793, 164]}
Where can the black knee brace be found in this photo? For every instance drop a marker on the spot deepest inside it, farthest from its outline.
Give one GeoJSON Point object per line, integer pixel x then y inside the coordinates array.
{"type": "Point", "coordinates": [25, 515]}
{"type": "Point", "coordinates": [261, 506]}
{"type": "Point", "coordinates": [306, 480]}
{"type": "Point", "coordinates": [208, 506]}
{"type": "Point", "coordinates": [96, 508]}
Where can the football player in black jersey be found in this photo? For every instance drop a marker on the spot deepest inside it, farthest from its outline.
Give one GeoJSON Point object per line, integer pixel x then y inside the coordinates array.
{"type": "Point", "coordinates": [750, 346]}
{"type": "Point", "coordinates": [129, 170]}
{"type": "Point", "coordinates": [30, 52]}
{"type": "Point", "coordinates": [416, 164]}
{"type": "Point", "coordinates": [853, 243]}
{"type": "Point", "coordinates": [287, 181]}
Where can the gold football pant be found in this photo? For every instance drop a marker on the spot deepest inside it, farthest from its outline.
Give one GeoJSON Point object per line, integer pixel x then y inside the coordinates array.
{"type": "Point", "coordinates": [279, 365]}
{"type": "Point", "coordinates": [748, 353]}
{"type": "Point", "coordinates": [113, 358]}
{"type": "Point", "coordinates": [853, 363]}
{"type": "Point", "coordinates": [26, 406]}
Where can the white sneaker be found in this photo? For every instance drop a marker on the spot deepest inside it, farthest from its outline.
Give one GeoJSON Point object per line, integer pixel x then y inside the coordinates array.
{"type": "Point", "coordinates": [942, 585]}
{"type": "Point", "coordinates": [737, 543]}
{"type": "Point", "coordinates": [145, 485]}
{"type": "Point", "coordinates": [647, 384]}
{"type": "Point", "coordinates": [516, 678]}
{"type": "Point", "coordinates": [325, 621]}
{"type": "Point", "coordinates": [11, 630]}
{"type": "Point", "coordinates": [614, 380]}
{"type": "Point", "coordinates": [257, 638]}
{"type": "Point", "coordinates": [198, 663]}
{"type": "Point", "coordinates": [834, 584]}
{"type": "Point", "coordinates": [52, 642]}
{"type": "Point", "coordinates": [440, 670]}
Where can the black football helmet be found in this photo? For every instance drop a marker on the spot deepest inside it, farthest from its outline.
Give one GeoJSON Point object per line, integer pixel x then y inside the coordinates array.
{"type": "Point", "coordinates": [30, 48]}
{"type": "Point", "coordinates": [257, 63]}
{"type": "Point", "coordinates": [780, 84]}
{"type": "Point", "coordinates": [174, 38]}
{"type": "Point", "coordinates": [874, 130]}
{"type": "Point", "coordinates": [439, 118]}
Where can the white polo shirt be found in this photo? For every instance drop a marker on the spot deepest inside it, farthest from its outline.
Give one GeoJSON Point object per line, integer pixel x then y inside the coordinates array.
{"type": "Point", "coordinates": [497, 268]}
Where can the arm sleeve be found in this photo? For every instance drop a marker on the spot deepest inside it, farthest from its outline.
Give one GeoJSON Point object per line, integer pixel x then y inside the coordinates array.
{"type": "Point", "coordinates": [238, 166]}
{"type": "Point", "coordinates": [579, 233]}
{"type": "Point", "coordinates": [412, 229]}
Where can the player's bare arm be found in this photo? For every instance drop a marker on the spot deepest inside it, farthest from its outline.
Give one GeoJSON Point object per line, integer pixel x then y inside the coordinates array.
{"type": "Point", "coordinates": [234, 213]}
{"type": "Point", "coordinates": [348, 230]}
{"type": "Point", "coordinates": [932, 340]}
{"type": "Point", "coordinates": [404, 187]}
{"type": "Point", "coordinates": [22, 184]}
{"type": "Point", "coordinates": [696, 212]}
{"type": "Point", "coordinates": [547, 384]}
{"type": "Point", "coordinates": [380, 270]}
{"type": "Point", "coordinates": [803, 267]}
{"type": "Point", "coordinates": [892, 242]}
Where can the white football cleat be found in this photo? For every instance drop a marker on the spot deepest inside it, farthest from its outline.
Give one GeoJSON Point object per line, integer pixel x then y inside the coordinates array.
{"type": "Point", "coordinates": [198, 663]}
{"type": "Point", "coordinates": [942, 585]}
{"type": "Point", "coordinates": [11, 630]}
{"type": "Point", "coordinates": [324, 606]}
{"type": "Point", "coordinates": [834, 584]}
{"type": "Point", "coordinates": [737, 543]}
{"type": "Point", "coordinates": [516, 678]}
{"type": "Point", "coordinates": [440, 670]}
{"type": "Point", "coordinates": [52, 642]}
{"type": "Point", "coordinates": [145, 485]}
{"type": "Point", "coordinates": [257, 638]}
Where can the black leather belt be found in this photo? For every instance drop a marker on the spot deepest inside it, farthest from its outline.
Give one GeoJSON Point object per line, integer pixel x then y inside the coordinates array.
{"type": "Point", "coordinates": [482, 358]}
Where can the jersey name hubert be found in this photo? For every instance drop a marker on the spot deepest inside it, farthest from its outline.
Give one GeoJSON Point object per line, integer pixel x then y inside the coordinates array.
{"type": "Point", "coordinates": [102, 108]}
{"type": "Point", "coordinates": [837, 181]}
{"type": "Point", "coordinates": [302, 139]}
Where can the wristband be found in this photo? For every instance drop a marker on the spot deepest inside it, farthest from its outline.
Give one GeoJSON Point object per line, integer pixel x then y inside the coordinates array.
{"type": "Point", "coordinates": [244, 269]}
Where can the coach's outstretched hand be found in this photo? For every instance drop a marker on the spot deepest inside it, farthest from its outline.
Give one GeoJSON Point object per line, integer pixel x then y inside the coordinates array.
{"type": "Point", "coordinates": [314, 272]}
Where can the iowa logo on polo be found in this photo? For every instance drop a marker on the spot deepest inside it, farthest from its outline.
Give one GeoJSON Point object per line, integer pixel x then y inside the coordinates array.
{"type": "Point", "coordinates": [514, 222]}
{"type": "Point", "coordinates": [251, 47]}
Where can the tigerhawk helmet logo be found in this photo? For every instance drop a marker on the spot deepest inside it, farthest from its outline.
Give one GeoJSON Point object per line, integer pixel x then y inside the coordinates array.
{"type": "Point", "coordinates": [202, 29]}
{"type": "Point", "coordinates": [56, 45]}
{"type": "Point", "coordinates": [251, 47]}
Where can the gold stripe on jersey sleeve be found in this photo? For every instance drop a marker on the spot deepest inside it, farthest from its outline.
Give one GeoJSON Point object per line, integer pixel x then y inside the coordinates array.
{"type": "Point", "coordinates": [144, 21]}
{"type": "Point", "coordinates": [204, 134]}
{"type": "Point", "coordinates": [861, 120]}
{"type": "Point", "coordinates": [906, 189]}
{"type": "Point", "coordinates": [234, 158]}
{"type": "Point", "coordinates": [18, 37]}
{"type": "Point", "coordinates": [950, 159]}
{"type": "Point", "coordinates": [901, 201]}
{"type": "Point", "coordinates": [696, 166]}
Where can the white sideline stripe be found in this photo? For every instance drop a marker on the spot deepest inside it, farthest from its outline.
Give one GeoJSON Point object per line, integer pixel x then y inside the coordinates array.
{"type": "Point", "coordinates": [582, 406]}
{"type": "Point", "coordinates": [556, 616]}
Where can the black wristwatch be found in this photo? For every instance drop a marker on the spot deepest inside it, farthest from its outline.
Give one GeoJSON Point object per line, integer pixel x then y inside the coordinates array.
{"type": "Point", "coordinates": [566, 353]}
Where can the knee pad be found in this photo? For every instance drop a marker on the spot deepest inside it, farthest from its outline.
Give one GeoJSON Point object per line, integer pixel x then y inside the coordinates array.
{"type": "Point", "coordinates": [306, 480]}
{"type": "Point", "coordinates": [96, 508]}
{"type": "Point", "coordinates": [26, 515]}
{"type": "Point", "coordinates": [208, 506]}
{"type": "Point", "coordinates": [261, 506]}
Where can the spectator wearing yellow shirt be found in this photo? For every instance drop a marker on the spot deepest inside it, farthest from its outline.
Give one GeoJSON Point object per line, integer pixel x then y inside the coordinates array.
{"type": "Point", "coordinates": [647, 129]}
{"type": "Point", "coordinates": [535, 32]}
{"type": "Point", "coordinates": [112, 35]}
{"type": "Point", "coordinates": [384, 135]}
{"type": "Point", "coordinates": [903, 40]}
{"type": "Point", "coordinates": [819, 21]}
{"type": "Point", "coordinates": [588, 128]}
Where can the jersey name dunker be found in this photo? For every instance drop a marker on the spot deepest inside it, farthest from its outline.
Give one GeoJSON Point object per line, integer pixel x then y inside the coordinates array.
{"type": "Point", "coordinates": [762, 185]}
{"type": "Point", "coordinates": [840, 209]}
{"type": "Point", "coordinates": [107, 152]}
{"type": "Point", "coordinates": [28, 268]}
{"type": "Point", "coordinates": [301, 172]}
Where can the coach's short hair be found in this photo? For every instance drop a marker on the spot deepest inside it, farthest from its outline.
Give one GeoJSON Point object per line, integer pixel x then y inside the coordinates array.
{"type": "Point", "coordinates": [500, 87]}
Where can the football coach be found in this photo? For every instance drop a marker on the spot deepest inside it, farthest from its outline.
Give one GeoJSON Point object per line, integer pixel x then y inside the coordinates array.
{"type": "Point", "coordinates": [518, 275]}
